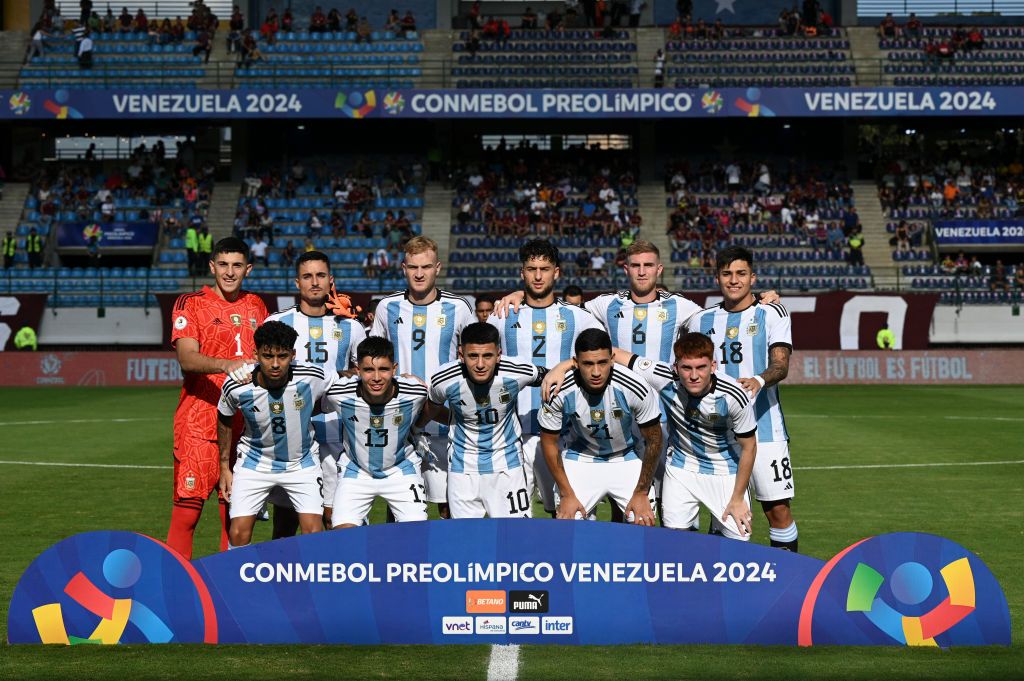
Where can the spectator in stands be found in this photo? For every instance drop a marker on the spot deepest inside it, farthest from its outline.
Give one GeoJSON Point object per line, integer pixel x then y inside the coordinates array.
{"type": "Point", "coordinates": [975, 268]}
{"type": "Point", "coordinates": [314, 225]}
{"type": "Point", "coordinates": [855, 242]}
{"type": "Point", "coordinates": [140, 24]}
{"type": "Point", "coordinates": [764, 180]}
{"type": "Point", "coordinates": [497, 29]}
{"type": "Point", "coordinates": [364, 33]}
{"type": "Point", "coordinates": [484, 307]}
{"type": "Point", "coordinates": [92, 248]}
{"type": "Point", "coordinates": [948, 265]}
{"type": "Point", "coordinates": [85, 7]}
{"type": "Point", "coordinates": [269, 28]}
{"type": "Point", "coordinates": [676, 30]}
{"type": "Point", "coordinates": [204, 44]}
{"type": "Point", "coordinates": [124, 21]}
{"type": "Point", "coordinates": [178, 31]}
{"type": "Point", "coordinates": [888, 29]}
{"type": "Point", "coordinates": [836, 238]}
{"type": "Point", "coordinates": [250, 53]}
{"type": "Point", "coordinates": [317, 20]}
{"type": "Point", "coordinates": [10, 247]}
{"type": "Point", "coordinates": [529, 18]}
{"type": "Point", "coordinates": [289, 254]}
{"type": "Point", "coordinates": [351, 19]}
{"type": "Point", "coordinates": [998, 279]}
{"type": "Point", "coordinates": [636, 8]}
{"type": "Point", "coordinates": [912, 29]}
{"type": "Point", "coordinates": [659, 68]}
{"type": "Point", "coordinates": [963, 265]}
{"type": "Point", "coordinates": [473, 43]}
{"type": "Point", "coordinates": [235, 27]}
{"type": "Point", "coordinates": [370, 269]}
{"type": "Point", "coordinates": [945, 50]}
{"type": "Point", "coordinates": [334, 20]}
{"type": "Point", "coordinates": [597, 262]}
{"type": "Point", "coordinates": [901, 240]}
{"type": "Point", "coordinates": [85, 52]}
{"type": "Point", "coordinates": [582, 264]}
{"type": "Point", "coordinates": [975, 40]}
{"type": "Point", "coordinates": [259, 252]}
{"type": "Point", "coordinates": [554, 21]}
{"type": "Point", "coordinates": [394, 22]}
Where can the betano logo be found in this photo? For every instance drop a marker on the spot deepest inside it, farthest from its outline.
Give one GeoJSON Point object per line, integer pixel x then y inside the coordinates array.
{"type": "Point", "coordinates": [911, 583]}
{"type": "Point", "coordinates": [480, 602]}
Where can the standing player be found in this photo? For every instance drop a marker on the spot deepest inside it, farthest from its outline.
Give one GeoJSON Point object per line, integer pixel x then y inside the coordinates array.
{"type": "Point", "coordinates": [754, 344]}
{"type": "Point", "coordinates": [601, 403]}
{"type": "Point", "coordinates": [424, 324]}
{"type": "Point", "coordinates": [326, 340]}
{"type": "Point", "coordinates": [377, 412]}
{"type": "Point", "coordinates": [213, 336]}
{"type": "Point", "coordinates": [711, 436]}
{"type": "Point", "coordinates": [543, 329]}
{"type": "Point", "coordinates": [486, 473]}
{"type": "Point", "coordinates": [276, 449]}
{"type": "Point", "coordinates": [573, 295]}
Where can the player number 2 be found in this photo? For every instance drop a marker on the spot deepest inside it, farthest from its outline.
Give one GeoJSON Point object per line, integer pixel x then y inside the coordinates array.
{"type": "Point", "coordinates": [735, 355]}
{"type": "Point", "coordinates": [238, 344]}
{"type": "Point", "coordinates": [419, 338]}
{"type": "Point", "coordinates": [277, 425]}
{"type": "Point", "coordinates": [316, 353]}
{"type": "Point", "coordinates": [787, 472]}
{"type": "Point", "coordinates": [518, 502]}
{"type": "Point", "coordinates": [538, 346]}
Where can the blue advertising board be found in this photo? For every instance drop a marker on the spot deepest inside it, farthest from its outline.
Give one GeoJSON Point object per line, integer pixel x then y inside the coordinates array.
{"type": "Point", "coordinates": [109, 234]}
{"type": "Point", "coordinates": [952, 233]}
{"type": "Point", "coordinates": [640, 103]}
{"type": "Point", "coordinates": [509, 581]}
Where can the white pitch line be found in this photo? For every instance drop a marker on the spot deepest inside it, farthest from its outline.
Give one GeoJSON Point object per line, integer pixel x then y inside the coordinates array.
{"type": "Point", "coordinates": [84, 465]}
{"type": "Point", "coordinates": [62, 421]}
{"type": "Point", "coordinates": [903, 417]}
{"type": "Point", "coordinates": [933, 464]}
{"type": "Point", "coordinates": [504, 664]}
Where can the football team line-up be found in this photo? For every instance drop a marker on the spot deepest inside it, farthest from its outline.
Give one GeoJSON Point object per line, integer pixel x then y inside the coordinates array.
{"type": "Point", "coordinates": [638, 396]}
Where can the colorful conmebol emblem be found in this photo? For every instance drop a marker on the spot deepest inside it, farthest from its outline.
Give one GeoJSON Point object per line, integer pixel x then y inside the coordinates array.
{"type": "Point", "coordinates": [356, 104]}
{"type": "Point", "coordinates": [92, 230]}
{"type": "Point", "coordinates": [712, 101]}
{"type": "Point", "coordinates": [394, 103]}
{"type": "Point", "coordinates": [20, 103]}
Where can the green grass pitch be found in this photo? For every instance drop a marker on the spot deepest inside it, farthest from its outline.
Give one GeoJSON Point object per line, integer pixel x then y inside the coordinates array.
{"type": "Point", "coordinates": [979, 506]}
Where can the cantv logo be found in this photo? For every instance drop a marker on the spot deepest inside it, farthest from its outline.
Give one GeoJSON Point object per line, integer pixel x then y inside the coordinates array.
{"type": "Point", "coordinates": [528, 601]}
{"type": "Point", "coordinates": [456, 625]}
{"type": "Point", "coordinates": [524, 625]}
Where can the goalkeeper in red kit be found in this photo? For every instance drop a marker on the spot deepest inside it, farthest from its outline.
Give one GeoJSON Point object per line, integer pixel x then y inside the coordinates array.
{"type": "Point", "coordinates": [213, 336]}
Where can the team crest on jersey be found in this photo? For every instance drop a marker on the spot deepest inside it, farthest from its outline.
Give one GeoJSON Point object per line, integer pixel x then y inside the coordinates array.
{"type": "Point", "coordinates": [277, 407]}
{"type": "Point", "coordinates": [419, 320]}
{"type": "Point", "coordinates": [539, 327]}
{"type": "Point", "coordinates": [442, 320]}
{"type": "Point", "coordinates": [504, 397]}
{"type": "Point", "coordinates": [662, 315]}
{"type": "Point", "coordinates": [397, 421]}
{"type": "Point", "coordinates": [180, 323]}
{"type": "Point", "coordinates": [752, 329]}
{"type": "Point", "coordinates": [561, 325]}
{"type": "Point", "coordinates": [643, 363]}
{"type": "Point", "coordinates": [377, 421]}
{"type": "Point", "coordinates": [299, 402]}
{"type": "Point", "coordinates": [597, 414]}
{"type": "Point", "coordinates": [640, 313]}
{"type": "Point", "coordinates": [732, 332]}
{"type": "Point", "coordinates": [236, 319]}
{"type": "Point", "coordinates": [190, 482]}
{"type": "Point", "coordinates": [315, 332]}
{"type": "Point", "coordinates": [616, 413]}
{"type": "Point", "coordinates": [336, 334]}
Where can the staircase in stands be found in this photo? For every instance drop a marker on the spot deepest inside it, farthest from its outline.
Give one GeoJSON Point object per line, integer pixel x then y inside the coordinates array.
{"type": "Point", "coordinates": [877, 251]}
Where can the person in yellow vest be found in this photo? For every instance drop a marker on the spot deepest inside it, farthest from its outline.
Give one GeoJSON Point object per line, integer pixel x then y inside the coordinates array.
{"type": "Point", "coordinates": [10, 246]}
{"type": "Point", "coordinates": [34, 248]}
{"type": "Point", "coordinates": [205, 243]}
{"type": "Point", "coordinates": [25, 339]}
{"type": "Point", "coordinates": [885, 339]}
{"type": "Point", "coordinates": [192, 248]}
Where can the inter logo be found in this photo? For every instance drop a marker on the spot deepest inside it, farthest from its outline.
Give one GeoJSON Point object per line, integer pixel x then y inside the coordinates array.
{"type": "Point", "coordinates": [527, 601]}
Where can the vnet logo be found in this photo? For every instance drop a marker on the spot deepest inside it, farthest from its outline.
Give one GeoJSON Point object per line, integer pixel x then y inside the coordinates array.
{"type": "Point", "coordinates": [524, 625]}
{"type": "Point", "coordinates": [456, 625]}
{"type": "Point", "coordinates": [490, 625]}
{"type": "Point", "coordinates": [557, 625]}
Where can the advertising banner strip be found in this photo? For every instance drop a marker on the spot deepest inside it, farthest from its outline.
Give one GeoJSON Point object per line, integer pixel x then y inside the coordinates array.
{"type": "Point", "coordinates": [510, 581]}
{"type": "Point", "coordinates": [108, 234]}
{"type": "Point", "coordinates": [979, 232]}
{"type": "Point", "coordinates": [640, 103]}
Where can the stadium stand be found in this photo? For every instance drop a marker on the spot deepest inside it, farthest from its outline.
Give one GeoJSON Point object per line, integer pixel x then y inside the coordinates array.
{"type": "Point", "coordinates": [992, 55]}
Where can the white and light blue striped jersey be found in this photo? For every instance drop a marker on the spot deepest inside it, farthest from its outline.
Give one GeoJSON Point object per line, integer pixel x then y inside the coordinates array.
{"type": "Point", "coordinates": [485, 435]}
{"type": "Point", "coordinates": [278, 433]}
{"type": "Point", "coordinates": [702, 430]}
{"type": "Point", "coordinates": [744, 341]}
{"type": "Point", "coordinates": [601, 425]}
{"type": "Point", "coordinates": [645, 329]}
{"type": "Point", "coordinates": [544, 336]}
{"type": "Point", "coordinates": [328, 341]}
{"type": "Point", "coordinates": [375, 437]}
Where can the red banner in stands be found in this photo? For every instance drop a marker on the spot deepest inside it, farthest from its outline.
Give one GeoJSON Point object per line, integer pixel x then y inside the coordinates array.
{"type": "Point", "coordinates": [90, 368]}
{"type": "Point", "coordinates": [912, 367]}
{"type": "Point", "coordinates": [16, 311]}
{"type": "Point", "coordinates": [845, 320]}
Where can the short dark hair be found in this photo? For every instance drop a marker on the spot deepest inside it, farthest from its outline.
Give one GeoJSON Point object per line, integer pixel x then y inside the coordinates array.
{"type": "Point", "coordinates": [230, 244]}
{"type": "Point", "coordinates": [572, 290]}
{"type": "Point", "coordinates": [310, 256]}
{"type": "Point", "coordinates": [484, 298]}
{"type": "Point", "coordinates": [693, 345]}
{"type": "Point", "coordinates": [593, 339]}
{"type": "Point", "coordinates": [540, 248]}
{"type": "Point", "coordinates": [274, 334]}
{"type": "Point", "coordinates": [375, 346]}
{"type": "Point", "coordinates": [731, 254]}
{"type": "Point", "coordinates": [480, 333]}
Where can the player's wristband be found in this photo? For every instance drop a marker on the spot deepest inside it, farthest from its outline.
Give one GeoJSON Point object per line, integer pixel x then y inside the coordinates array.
{"type": "Point", "coordinates": [759, 380]}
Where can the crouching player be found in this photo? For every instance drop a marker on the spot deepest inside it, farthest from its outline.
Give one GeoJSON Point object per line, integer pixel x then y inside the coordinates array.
{"type": "Point", "coordinates": [602, 402]}
{"type": "Point", "coordinates": [376, 412]}
{"type": "Point", "coordinates": [276, 448]}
